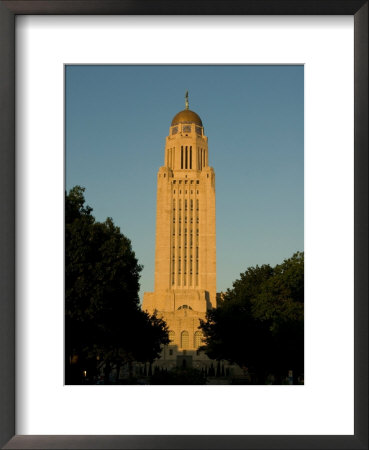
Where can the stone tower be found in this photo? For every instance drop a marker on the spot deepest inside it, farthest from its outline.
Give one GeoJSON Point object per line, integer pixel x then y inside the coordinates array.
{"type": "Point", "coordinates": [185, 256]}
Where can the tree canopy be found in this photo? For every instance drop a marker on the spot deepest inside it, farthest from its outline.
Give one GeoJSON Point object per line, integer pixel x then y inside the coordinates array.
{"type": "Point", "coordinates": [259, 324]}
{"type": "Point", "coordinates": [103, 319]}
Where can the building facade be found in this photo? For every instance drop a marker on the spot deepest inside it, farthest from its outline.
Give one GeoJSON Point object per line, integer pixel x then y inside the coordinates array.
{"type": "Point", "coordinates": [185, 254]}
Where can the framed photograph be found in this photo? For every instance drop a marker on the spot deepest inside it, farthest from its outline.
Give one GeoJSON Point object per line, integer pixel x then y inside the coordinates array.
{"type": "Point", "coordinates": [83, 68]}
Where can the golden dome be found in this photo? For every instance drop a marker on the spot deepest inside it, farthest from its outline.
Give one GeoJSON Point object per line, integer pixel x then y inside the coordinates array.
{"type": "Point", "coordinates": [186, 116]}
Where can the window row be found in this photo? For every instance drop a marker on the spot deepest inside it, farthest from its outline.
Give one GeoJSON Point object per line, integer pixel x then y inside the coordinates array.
{"type": "Point", "coordinates": [187, 129]}
{"type": "Point", "coordinates": [186, 157]}
{"type": "Point", "coordinates": [185, 280]}
{"type": "Point", "coordinates": [186, 181]}
{"type": "Point", "coordinates": [185, 192]}
{"type": "Point", "coordinates": [186, 266]}
{"type": "Point", "coordinates": [185, 338]}
{"type": "Point", "coordinates": [185, 205]}
{"type": "Point", "coordinates": [185, 219]}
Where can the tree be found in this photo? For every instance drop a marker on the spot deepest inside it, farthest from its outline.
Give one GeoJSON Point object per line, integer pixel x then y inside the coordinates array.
{"type": "Point", "coordinates": [103, 319]}
{"type": "Point", "coordinates": [260, 322]}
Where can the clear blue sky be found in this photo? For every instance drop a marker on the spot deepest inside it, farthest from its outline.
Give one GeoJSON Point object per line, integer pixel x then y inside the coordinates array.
{"type": "Point", "coordinates": [117, 118]}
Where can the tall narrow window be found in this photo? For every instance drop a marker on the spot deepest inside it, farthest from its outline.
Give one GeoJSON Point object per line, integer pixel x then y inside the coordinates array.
{"type": "Point", "coordinates": [181, 156]}
{"type": "Point", "coordinates": [197, 339]}
{"type": "Point", "coordinates": [191, 157]}
{"type": "Point", "coordinates": [184, 339]}
{"type": "Point", "coordinates": [186, 157]}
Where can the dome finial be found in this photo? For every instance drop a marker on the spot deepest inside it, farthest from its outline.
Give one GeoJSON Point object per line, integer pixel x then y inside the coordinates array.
{"type": "Point", "coordinates": [186, 97]}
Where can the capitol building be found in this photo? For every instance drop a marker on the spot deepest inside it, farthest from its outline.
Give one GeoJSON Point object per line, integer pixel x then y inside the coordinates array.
{"type": "Point", "coordinates": [185, 254]}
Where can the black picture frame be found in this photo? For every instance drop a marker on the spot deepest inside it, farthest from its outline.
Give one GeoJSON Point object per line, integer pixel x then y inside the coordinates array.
{"type": "Point", "coordinates": [8, 12]}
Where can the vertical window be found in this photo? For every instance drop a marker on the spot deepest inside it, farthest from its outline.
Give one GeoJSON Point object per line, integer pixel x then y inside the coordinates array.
{"type": "Point", "coordinates": [186, 156]}
{"type": "Point", "coordinates": [197, 339]}
{"type": "Point", "coordinates": [191, 157]}
{"type": "Point", "coordinates": [184, 339]}
{"type": "Point", "coordinates": [181, 156]}
{"type": "Point", "coordinates": [171, 336]}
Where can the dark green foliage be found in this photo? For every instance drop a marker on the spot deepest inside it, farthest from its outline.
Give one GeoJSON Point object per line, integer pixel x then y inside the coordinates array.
{"type": "Point", "coordinates": [103, 319]}
{"type": "Point", "coordinates": [260, 322]}
{"type": "Point", "coordinates": [178, 376]}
